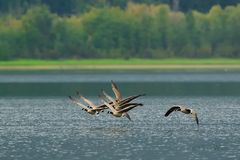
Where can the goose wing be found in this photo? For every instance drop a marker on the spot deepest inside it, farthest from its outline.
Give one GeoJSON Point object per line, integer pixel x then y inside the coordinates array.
{"type": "Point", "coordinates": [116, 91]}
{"type": "Point", "coordinates": [130, 104]}
{"type": "Point", "coordinates": [174, 108]}
{"type": "Point", "coordinates": [115, 104]}
{"type": "Point", "coordinates": [90, 103]}
{"type": "Point", "coordinates": [126, 109]}
{"type": "Point", "coordinates": [196, 118]}
{"type": "Point", "coordinates": [128, 116]}
{"type": "Point", "coordinates": [78, 103]}
{"type": "Point", "coordinates": [130, 98]}
{"type": "Point", "coordinates": [110, 107]}
{"type": "Point", "coordinates": [104, 98]}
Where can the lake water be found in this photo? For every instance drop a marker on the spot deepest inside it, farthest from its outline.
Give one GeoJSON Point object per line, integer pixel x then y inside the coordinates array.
{"type": "Point", "coordinates": [37, 120]}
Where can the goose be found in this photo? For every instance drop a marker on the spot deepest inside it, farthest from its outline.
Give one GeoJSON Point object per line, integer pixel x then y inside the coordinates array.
{"type": "Point", "coordinates": [122, 112]}
{"type": "Point", "coordinates": [101, 107]}
{"type": "Point", "coordinates": [118, 105]}
{"type": "Point", "coordinates": [84, 108]}
{"type": "Point", "coordinates": [183, 110]}
{"type": "Point", "coordinates": [107, 98]}
{"type": "Point", "coordinates": [92, 105]}
{"type": "Point", "coordinates": [113, 102]}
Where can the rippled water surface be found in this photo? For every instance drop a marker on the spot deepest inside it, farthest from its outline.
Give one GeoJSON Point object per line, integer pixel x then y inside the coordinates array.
{"type": "Point", "coordinates": [53, 128]}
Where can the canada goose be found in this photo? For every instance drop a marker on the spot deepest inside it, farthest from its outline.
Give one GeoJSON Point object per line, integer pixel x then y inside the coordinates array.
{"type": "Point", "coordinates": [183, 110]}
{"type": "Point", "coordinates": [122, 112]}
{"type": "Point", "coordinates": [84, 108]}
{"type": "Point", "coordinates": [114, 103]}
{"type": "Point", "coordinates": [117, 104]}
{"type": "Point", "coordinates": [92, 105]}
{"type": "Point", "coordinates": [121, 102]}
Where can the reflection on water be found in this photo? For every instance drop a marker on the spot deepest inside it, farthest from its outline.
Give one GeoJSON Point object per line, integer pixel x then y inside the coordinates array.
{"type": "Point", "coordinates": [90, 83]}
{"type": "Point", "coordinates": [128, 88]}
{"type": "Point", "coordinates": [44, 128]}
{"type": "Point", "coordinates": [120, 76]}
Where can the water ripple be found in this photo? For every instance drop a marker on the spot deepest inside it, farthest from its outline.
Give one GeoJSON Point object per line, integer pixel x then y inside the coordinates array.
{"type": "Point", "coordinates": [53, 128]}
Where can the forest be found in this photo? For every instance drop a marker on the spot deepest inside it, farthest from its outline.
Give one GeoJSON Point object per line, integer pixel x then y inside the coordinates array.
{"type": "Point", "coordinates": [49, 29]}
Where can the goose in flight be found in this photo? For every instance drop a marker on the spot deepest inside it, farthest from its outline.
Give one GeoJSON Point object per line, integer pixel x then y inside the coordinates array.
{"type": "Point", "coordinates": [92, 105]}
{"type": "Point", "coordinates": [92, 109]}
{"type": "Point", "coordinates": [122, 112]}
{"type": "Point", "coordinates": [118, 105]}
{"type": "Point", "coordinates": [110, 99]}
{"type": "Point", "coordinates": [183, 110]}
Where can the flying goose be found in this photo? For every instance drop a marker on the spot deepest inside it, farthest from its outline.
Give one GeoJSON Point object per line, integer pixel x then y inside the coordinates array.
{"type": "Point", "coordinates": [92, 105]}
{"type": "Point", "coordinates": [118, 95]}
{"type": "Point", "coordinates": [118, 105]}
{"type": "Point", "coordinates": [88, 109]}
{"type": "Point", "coordinates": [114, 103]}
{"type": "Point", "coordinates": [183, 110]}
{"type": "Point", "coordinates": [121, 102]}
{"type": "Point", "coordinates": [122, 112]}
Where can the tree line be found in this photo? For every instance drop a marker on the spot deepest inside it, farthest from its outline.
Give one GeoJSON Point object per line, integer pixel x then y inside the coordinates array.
{"type": "Point", "coordinates": [70, 7]}
{"type": "Point", "coordinates": [136, 30]}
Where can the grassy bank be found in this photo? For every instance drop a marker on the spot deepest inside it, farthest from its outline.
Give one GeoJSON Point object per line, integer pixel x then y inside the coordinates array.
{"type": "Point", "coordinates": [219, 63]}
{"type": "Point", "coordinates": [30, 62]}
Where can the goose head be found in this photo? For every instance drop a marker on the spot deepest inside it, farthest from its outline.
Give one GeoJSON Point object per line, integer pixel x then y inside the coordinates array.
{"type": "Point", "coordinates": [109, 112]}
{"type": "Point", "coordinates": [89, 107]}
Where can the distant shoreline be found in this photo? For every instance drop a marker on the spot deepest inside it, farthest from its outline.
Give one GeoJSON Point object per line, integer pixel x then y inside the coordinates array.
{"type": "Point", "coordinates": [121, 64]}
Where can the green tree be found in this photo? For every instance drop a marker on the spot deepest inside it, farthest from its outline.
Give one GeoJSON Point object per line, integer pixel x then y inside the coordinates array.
{"type": "Point", "coordinates": [107, 30]}
{"type": "Point", "coordinates": [177, 39]}
{"type": "Point", "coordinates": [162, 20]}
{"type": "Point", "coordinates": [216, 19]}
{"type": "Point", "coordinates": [37, 24]}
{"type": "Point", "coordinates": [70, 39]}
{"type": "Point", "coordinates": [11, 44]}
{"type": "Point", "coordinates": [232, 34]}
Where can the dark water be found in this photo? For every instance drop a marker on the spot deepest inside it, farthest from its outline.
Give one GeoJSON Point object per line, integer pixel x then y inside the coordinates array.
{"type": "Point", "coordinates": [64, 83]}
{"type": "Point", "coordinates": [37, 121]}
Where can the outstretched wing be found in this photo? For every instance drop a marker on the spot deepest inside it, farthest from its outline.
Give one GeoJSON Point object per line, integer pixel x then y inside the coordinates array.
{"type": "Point", "coordinates": [126, 109]}
{"type": "Point", "coordinates": [196, 118]}
{"type": "Point", "coordinates": [114, 102]}
{"type": "Point", "coordinates": [128, 116]}
{"type": "Point", "coordinates": [129, 99]}
{"type": "Point", "coordinates": [130, 104]}
{"type": "Point", "coordinates": [90, 103]}
{"type": "Point", "coordinates": [78, 103]}
{"type": "Point", "coordinates": [174, 108]}
{"type": "Point", "coordinates": [116, 91]}
{"type": "Point", "coordinates": [110, 107]}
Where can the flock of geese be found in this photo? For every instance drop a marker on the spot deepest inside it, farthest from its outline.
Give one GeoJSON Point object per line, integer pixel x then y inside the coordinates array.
{"type": "Point", "coordinates": [119, 106]}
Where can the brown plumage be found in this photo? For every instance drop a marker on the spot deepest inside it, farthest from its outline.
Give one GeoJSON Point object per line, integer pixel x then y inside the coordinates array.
{"type": "Point", "coordinates": [183, 110]}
